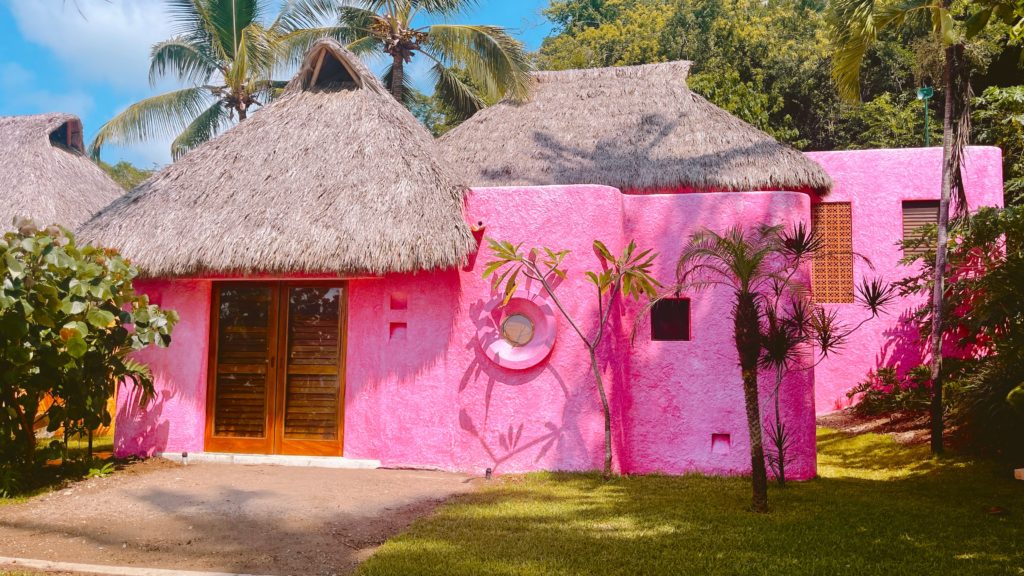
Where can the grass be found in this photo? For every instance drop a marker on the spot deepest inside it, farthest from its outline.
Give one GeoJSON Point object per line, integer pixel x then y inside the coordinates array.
{"type": "Point", "coordinates": [54, 476]}
{"type": "Point", "coordinates": [877, 508]}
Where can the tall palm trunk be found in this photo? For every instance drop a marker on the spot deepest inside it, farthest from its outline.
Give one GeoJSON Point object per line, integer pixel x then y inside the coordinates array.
{"type": "Point", "coordinates": [939, 289]}
{"type": "Point", "coordinates": [748, 345]}
{"type": "Point", "coordinates": [398, 78]}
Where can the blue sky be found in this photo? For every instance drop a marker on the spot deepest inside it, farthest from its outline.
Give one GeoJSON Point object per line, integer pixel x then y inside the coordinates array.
{"type": "Point", "coordinates": [52, 59]}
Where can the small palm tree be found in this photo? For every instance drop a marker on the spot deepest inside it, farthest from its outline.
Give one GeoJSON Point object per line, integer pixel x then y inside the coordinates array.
{"type": "Point", "coordinates": [774, 318]}
{"type": "Point", "coordinates": [225, 53]}
{"type": "Point", "coordinates": [856, 25]}
{"type": "Point", "coordinates": [472, 64]}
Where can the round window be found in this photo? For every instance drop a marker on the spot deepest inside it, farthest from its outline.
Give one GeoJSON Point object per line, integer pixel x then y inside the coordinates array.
{"type": "Point", "coordinates": [517, 330]}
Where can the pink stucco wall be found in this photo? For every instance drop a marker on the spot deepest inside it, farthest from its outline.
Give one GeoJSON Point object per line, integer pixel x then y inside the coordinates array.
{"type": "Point", "coordinates": [420, 391]}
{"type": "Point", "coordinates": [876, 183]}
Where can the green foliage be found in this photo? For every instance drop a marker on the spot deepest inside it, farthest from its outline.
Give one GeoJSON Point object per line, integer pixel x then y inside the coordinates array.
{"type": "Point", "coordinates": [69, 318]}
{"type": "Point", "coordinates": [604, 33]}
{"type": "Point", "coordinates": [999, 121]}
{"type": "Point", "coordinates": [985, 309]}
{"type": "Point", "coordinates": [626, 276]}
{"type": "Point", "coordinates": [886, 122]}
{"type": "Point", "coordinates": [863, 516]}
{"type": "Point", "coordinates": [886, 392]}
{"type": "Point", "coordinates": [125, 174]}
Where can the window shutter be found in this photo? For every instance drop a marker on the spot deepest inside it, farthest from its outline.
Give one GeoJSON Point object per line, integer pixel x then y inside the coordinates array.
{"type": "Point", "coordinates": [832, 271]}
{"type": "Point", "coordinates": [915, 215]}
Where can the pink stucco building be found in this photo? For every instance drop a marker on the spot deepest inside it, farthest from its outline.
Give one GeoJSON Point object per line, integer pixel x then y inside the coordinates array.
{"type": "Point", "coordinates": [329, 281]}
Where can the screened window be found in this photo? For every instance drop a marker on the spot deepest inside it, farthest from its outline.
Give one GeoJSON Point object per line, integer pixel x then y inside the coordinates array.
{"type": "Point", "coordinates": [916, 214]}
{"type": "Point", "coordinates": [670, 320]}
{"type": "Point", "coordinates": [832, 271]}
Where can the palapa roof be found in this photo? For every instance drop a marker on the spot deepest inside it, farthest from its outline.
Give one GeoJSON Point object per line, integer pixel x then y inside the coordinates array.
{"type": "Point", "coordinates": [45, 174]}
{"type": "Point", "coordinates": [334, 176]}
{"type": "Point", "coordinates": [638, 128]}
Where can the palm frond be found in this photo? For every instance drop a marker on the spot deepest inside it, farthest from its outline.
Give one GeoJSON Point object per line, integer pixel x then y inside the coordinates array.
{"type": "Point", "coordinates": [229, 18]}
{"type": "Point", "coordinates": [255, 57]}
{"type": "Point", "coordinates": [202, 129]}
{"type": "Point", "coordinates": [494, 60]}
{"type": "Point", "coordinates": [459, 99]}
{"type": "Point", "coordinates": [158, 116]}
{"type": "Point", "coordinates": [182, 58]}
{"type": "Point", "coordinates": [191, 21]}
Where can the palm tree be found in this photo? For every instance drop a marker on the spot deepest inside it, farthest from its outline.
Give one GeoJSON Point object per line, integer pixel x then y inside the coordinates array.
{"type": "Point", "coordinates": [742, 261]}
{"type": "Point", "coordinates": [856, 25]}
{"type": "Point", "coordinates": [224, 52]}
{"type": "Point", "coordinates": [472, 64]}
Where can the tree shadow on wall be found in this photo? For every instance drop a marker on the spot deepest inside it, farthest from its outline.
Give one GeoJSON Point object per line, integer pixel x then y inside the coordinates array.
{"type": "Point", "coordinates": [627, 156]}
{"type": "Point", "coordinates": [141, 429]}
{"type": "Point", "coordinates": [508, 440]}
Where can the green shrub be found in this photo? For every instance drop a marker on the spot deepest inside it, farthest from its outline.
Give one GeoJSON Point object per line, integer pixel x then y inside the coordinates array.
{"type": "Point", "coordinates": [886, 392]}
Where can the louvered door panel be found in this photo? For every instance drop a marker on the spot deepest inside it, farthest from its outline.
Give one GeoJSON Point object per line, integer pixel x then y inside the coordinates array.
{"type": "Point", "coordinates": [243, 378]}
{"type": "Point", "coordinates": [312, 389]}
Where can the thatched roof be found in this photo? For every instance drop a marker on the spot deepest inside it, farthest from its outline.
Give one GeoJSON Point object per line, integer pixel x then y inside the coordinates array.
{"type": "Point", "coordinates": [45, 174]}
{"type": "Point", "coordinates": [334, 176]}
{"type": "Point", "coordinates": [636, 128]}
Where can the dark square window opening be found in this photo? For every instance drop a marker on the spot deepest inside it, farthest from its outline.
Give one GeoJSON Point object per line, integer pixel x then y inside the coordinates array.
{"type": "Point", "coordinates": [670, 320]}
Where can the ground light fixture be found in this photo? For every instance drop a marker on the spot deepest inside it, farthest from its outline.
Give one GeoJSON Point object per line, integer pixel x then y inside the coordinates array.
{"type": "Point", "coordinates": [924, 94]}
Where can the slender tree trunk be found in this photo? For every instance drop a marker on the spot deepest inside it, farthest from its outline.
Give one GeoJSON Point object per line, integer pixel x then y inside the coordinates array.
{"type": "Point", "coordinates": [243, 113]}
{"type": "Point", "coordinates": [939, 289]}
{"type": "Point", "coordinates": [780, 437]}
{"type": "Point", "coordinates": [28, 432]}
{"type": "Point", "coordinates": [607, 414]}
{"type": "Point", "coordinates": [398, 79]}
{"type": "Point", "coordinates": [748, 344]}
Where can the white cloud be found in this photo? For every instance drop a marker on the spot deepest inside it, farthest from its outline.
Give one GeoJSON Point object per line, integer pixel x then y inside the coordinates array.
{"type": "Point", "coordinates": [22, 94]}
{"type": "Point", "coordinates": [101, 41]}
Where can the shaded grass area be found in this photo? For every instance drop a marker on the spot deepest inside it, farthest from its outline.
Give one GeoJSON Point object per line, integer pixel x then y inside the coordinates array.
{"type": "Point", "coordinates": [878, 508]}
{"type": "Point", "coordinates": [55, 475]}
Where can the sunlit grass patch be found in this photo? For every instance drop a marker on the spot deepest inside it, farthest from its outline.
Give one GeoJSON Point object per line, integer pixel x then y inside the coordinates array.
{"type": "Point", "coordinates": [878, 508]}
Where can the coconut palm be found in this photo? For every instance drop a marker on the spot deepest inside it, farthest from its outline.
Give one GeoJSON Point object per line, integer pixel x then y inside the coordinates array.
{"type": "Point", "coordinates": [472, 64]}
{"type": "Point", "coordinates": [225, 54]}
{"type": "Point", "coordinates": [856, 25]}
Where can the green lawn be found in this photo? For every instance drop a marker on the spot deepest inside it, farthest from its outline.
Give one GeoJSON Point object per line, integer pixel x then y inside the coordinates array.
{"type": "Point", "coordinates": [878, 508]}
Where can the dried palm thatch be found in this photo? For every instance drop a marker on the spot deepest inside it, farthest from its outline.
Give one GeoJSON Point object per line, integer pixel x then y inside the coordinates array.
{"type": "Point", "coordinates": [45, 174]}
{"type": "Point", "coordinates": [637, 128]}
{"type": "Point", "coordinates": [334, 176]}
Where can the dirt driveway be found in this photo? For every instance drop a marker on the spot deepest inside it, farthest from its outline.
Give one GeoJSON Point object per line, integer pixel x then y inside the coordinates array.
{"type": "Point", "coordinates": [230, 518]}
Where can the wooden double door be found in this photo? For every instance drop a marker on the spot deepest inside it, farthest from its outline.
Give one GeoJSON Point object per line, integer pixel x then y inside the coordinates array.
{"type": "Point", "coordinates": [277, 367]}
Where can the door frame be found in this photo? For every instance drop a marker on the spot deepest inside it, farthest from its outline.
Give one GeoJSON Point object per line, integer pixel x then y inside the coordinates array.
{"type": "Point", "coordinates": [274, 442]}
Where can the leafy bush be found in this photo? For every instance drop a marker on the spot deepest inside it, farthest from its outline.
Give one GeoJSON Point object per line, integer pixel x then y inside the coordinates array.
{"type": "Point", "coordinates": [69, 319]}
{"type": "Point", "coordinates": [886, 392]}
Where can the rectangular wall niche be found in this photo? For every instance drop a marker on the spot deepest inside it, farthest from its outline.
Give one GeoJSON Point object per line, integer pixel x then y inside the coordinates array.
{"type": "Point", "coordinates": [670, 320]}
{"type": "Point", "coordinates": [832, 272]}
{"type": "Point", "coordinates": [398, 306]}
{"type": "Point", "coordinates": [721, 443]}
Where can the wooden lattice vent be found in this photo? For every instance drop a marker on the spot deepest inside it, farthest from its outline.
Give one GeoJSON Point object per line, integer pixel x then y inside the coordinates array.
{"type": "Point", "coordinates": [832, 272]}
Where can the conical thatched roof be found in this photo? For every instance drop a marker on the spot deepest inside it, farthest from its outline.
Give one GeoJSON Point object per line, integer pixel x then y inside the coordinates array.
{"type": "Point", "coordinates": [334, 176]}
{"type": "Point", "coordinates": [636, 128]}
{"type": "Point", "coordinates": [45, 174]}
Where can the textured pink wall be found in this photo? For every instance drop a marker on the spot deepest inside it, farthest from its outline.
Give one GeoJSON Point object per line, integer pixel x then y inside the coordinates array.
{"type": "Point", "coordinates": [876, 182]}
{"type": "Point", "coordinates": [175, 420]}
{"type": "Point", "coordinates": [434, 399]}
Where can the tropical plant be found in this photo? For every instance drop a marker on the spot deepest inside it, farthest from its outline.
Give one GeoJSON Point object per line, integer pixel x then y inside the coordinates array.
{"type": "Point", "coordinates": [856, 26]}
{"type": "Point", "coordinates": [69, 319]}
{"type": "Point", "coordinates": [775, 320]}
{"type": "Point", "coordinates": [628, 275]}
{"type": "Point", "coordinates": [985, 307]}
{"type": "Point", "coordinates": [494, 61]}
{"type": "Point", "coordinates": [225, 54]}
{"type": "Point", "coordinates": [125, 174]}
{"type": "Point", "coordinates": [885, 391]}
{"type": "Point", "coordinates": [999, 121]}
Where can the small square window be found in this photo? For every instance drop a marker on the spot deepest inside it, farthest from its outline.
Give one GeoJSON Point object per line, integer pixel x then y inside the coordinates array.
{"type": "Point", "coordinates": [670, 320]}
